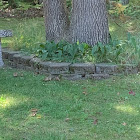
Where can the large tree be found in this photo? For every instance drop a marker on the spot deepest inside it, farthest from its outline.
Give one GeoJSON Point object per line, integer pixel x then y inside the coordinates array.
{"type": "Point", "coordinates": [88, 24]}
{"type": "Point", "coordinates": [89, 21]}
{"type": "Point", "coordinates": [56, 19]}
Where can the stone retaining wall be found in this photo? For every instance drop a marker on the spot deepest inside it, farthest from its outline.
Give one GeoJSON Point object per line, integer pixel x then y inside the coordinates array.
{"type": "Point", "coordinates": [68, 71]}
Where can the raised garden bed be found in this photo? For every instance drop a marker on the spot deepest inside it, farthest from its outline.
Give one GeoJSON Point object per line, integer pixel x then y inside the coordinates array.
{"type": "Point", "coordinates": [68, 71]}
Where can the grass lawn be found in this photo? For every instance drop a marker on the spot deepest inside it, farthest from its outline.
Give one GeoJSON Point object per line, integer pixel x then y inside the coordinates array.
{"type": "Point", "coordinates": [28, 33]}
{"type": "Point", "coordinates": [68, 110]}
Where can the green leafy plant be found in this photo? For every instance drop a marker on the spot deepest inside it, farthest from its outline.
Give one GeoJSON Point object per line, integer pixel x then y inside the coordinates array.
{"type": "Point", "coordinates": [133, 49]}
{"type": "Point", "coordinates": [133, 11]}
{"type": "Point", "coordinates": [117, 51]}
{"type": "Point", "coordinates": [107, 53]}
{"type": "Point", "coordinates": [63, 51]}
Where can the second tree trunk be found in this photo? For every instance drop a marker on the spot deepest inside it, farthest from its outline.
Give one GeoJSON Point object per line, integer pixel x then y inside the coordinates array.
{"type": "Point", "coordinates": [89, 22]}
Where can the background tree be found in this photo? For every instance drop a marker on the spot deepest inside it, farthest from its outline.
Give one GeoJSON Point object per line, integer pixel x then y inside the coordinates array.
{"type": "Point", "coordinates": [56, 19]}
{"type": "Point", "coordinates": [89, 22]}
{"type": "Point", "coordinates": [125, 2]}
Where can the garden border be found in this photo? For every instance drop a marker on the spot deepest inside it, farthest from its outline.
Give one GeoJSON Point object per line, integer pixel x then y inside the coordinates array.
{"type": "Point", "coordinates": [68, 71]}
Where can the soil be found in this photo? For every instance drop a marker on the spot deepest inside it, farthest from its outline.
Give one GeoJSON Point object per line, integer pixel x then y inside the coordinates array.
{"type": "Point", "coordinates": [16, 13]}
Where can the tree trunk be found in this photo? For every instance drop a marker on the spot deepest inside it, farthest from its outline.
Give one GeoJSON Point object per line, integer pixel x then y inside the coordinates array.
{"type": "Point", "coordinates": [125, 2]}
{"type": "Point", "coordinates": [89, 22]}
{"type": "Point", "coordinates": [56, 19]}
{"type": "Point", "coordinates": [1, 61]}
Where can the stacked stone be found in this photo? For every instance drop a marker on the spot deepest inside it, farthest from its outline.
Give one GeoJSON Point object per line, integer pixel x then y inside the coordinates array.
{"type": "Point", "coordinates": [66, 70]}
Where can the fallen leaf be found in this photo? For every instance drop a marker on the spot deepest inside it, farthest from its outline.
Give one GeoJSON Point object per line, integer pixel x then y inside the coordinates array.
{"type": "Point", "coordinates": [85, 93]}
{"type": "Point", "coordinates": [95, 121]}
{"type": "Point", "coordinates": [57, 78]}
{"type": "Point", "coordinates": [33, 112]}
{"type": "Point", "coordinates": [132, 92]}
{"type": "Point", "coordinates": [48, 79]}
{"type": "Point", "coordinates": [124, 124]}
{"type": "Point", "coordinates": [67, 119]}
{"type": "Point", "coordinates": [15, 74]}
{"type": "Point", "coordinates": [118, 93]}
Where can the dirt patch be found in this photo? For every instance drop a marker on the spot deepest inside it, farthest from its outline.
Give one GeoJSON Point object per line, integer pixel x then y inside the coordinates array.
{"type": "Point", "coordinates": [16, 13]}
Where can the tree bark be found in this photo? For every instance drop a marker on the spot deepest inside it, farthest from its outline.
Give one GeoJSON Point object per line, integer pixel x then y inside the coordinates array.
{"type": "Point", "coordinates": [1, 61]}
{"type": "Point", "coordinates": [125, 2]}
{"type": "Point", "coordinates": [89, 22]}
{"type": "Point", "coordinates": [56, 19]}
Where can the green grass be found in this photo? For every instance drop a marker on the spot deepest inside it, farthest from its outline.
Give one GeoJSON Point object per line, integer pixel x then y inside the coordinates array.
{"type": "Point", "coordinates": [108, 101]}
{"type": "Point", "coordinates": [119, 29]}
{"type": "Point", "coordinates": [27, 33]}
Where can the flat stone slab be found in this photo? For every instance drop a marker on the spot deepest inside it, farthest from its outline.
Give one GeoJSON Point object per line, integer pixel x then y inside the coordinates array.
{"type": "Point", "coordinates": [72, 77]}
{"type": "Point", "coordinates": [26, 59]}
{"type": "Point", "coordinates": [11, 54]}
{"type": "Point", "coordinates": [82, 68]}
{"type": "Point", "coordinates": [59, 68]}
{"type": "Point", "coordinates": [127, 69]}
{"type": "Point", "coordinates": [45, 65]}
{"type": "Point", "coordinates": [35, 63]}
{"type": "Point", "coordinates": [17, 58]}
{"type": "Point", "coordinates": [97, 76]}
{"type": "Point", "coordinates": [6, 33]}
{"type": "Point", "coordinates": [105, 68]}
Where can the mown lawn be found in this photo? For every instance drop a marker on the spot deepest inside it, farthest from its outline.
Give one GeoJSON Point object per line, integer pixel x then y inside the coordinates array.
{"type": "Point", "coordinates": [68, 110]}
